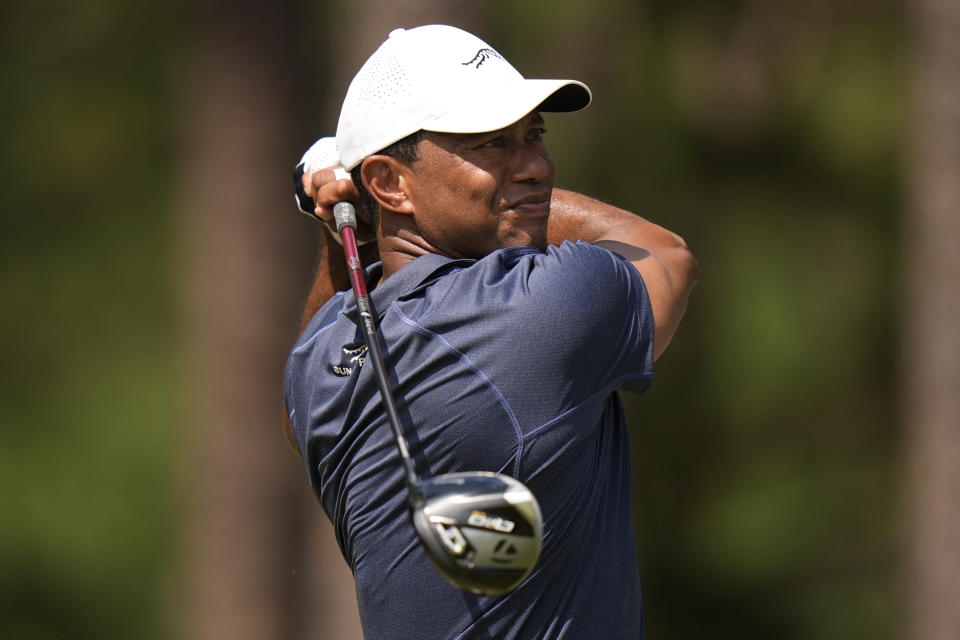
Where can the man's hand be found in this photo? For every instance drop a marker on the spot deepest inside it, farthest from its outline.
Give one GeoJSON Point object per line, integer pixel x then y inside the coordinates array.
{"type": "Point", "coordinates": [324, 183]}
{"type": "Point", "coordinates": [327, 188]}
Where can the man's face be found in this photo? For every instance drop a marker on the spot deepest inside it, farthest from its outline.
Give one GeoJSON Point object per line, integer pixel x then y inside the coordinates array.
{"type": "Point", "coordinates": [476, 193]}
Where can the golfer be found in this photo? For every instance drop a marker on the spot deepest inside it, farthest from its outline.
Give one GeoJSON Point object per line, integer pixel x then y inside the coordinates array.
{"type": "Point", "coordinates": [511, 315]}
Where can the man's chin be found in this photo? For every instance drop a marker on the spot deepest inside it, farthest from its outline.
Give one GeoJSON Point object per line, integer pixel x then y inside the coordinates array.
{"type": "Point", "coordinates": [535, 240]}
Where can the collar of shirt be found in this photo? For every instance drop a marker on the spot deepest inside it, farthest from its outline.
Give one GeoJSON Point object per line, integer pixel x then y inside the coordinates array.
{"type": "Point", "coordinates": [412, 276]}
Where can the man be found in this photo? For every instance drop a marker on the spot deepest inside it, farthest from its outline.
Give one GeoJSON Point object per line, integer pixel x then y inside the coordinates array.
{"type": "Point", "coordinates": [510, 315]}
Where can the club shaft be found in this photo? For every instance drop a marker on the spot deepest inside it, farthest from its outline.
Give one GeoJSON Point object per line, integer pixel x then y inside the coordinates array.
{"type": "Point", "coordinates": [364, 310]}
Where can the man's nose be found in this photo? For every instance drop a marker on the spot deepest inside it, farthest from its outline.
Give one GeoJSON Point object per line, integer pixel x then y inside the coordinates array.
{"type": "Point", "coordinates": [532, 164]}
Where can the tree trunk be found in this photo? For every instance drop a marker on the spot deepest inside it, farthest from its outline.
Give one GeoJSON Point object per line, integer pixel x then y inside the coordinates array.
{"type": "Point", "coordinates": [258, 562]}
{"type": "Point", "coordinates": [932, 327]}
{"type": "Point", "coordinates": [259, 559]}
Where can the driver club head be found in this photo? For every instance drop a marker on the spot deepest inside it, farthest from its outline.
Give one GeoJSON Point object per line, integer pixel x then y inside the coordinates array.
{"type": "Point", "coordinates": [482, 530]}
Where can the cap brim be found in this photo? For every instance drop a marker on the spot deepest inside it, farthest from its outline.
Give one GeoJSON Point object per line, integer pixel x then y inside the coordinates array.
{"type": "Point", "coordinates": [572, 96]}
{"type": "Point", "coordinates": [479, 111]}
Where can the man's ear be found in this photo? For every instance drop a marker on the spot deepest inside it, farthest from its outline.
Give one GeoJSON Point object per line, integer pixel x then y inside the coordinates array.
{"type": "Point", "coordinates": [386, 178]}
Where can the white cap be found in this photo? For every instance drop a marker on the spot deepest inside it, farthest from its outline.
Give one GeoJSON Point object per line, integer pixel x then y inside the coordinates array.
{"type": "Point", "coordinates": [440, 78]}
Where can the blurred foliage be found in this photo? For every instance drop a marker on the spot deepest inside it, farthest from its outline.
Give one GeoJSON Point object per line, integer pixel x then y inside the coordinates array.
{"type": "Point", "coordinates": [89, 404]}
{"type": "Point", "coordinates": [767, 134]}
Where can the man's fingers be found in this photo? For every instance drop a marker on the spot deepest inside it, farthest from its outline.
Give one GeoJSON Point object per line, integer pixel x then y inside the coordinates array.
{"type": "Point", "coordinates": [324, 212]}
{"type": "Point", "coordinates": [338, 191]}
{"type": "Point", "coordinates": [321, 177]}
{"type": "Point", "coordinates": [327, 187]}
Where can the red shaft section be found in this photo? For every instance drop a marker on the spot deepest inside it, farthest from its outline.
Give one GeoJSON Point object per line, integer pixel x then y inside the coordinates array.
{"type": "Point", "coordinates": [353, 261]}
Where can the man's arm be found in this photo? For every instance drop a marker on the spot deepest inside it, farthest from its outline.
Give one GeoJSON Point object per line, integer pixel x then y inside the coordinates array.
{"type": "Point", "coordinates": [668, 268]}
{"type": "Point", "coordinates": [331, 275]}
{"type": "Point", "coordinates": [326, 189]}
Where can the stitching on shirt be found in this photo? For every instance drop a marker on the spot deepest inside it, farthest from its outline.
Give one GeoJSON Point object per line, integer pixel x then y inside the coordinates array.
{"type": "Point", "coordinates": [500, 398]}
{"type": "Point", "coordinates": [576, 407]}
{"type": "Point", "coordinates": [306, 343]}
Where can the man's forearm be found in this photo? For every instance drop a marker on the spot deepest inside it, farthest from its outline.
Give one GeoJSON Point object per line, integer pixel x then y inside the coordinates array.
{"type": "Point", "coordinates": [332, 275]}
{"type": "Point", "coordinates": [577, 217]}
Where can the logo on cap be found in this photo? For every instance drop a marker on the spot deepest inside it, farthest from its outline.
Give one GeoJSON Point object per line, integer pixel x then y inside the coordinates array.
{"type": "Point", "coordinates": [482, 56]}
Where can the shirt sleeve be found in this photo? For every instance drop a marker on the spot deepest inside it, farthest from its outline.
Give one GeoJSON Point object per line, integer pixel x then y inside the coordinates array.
{"type": "Point", "coordinates": [548, 332]}
{"type": "Point", "coordinates": [595, 307]}
{"type": "Point", "coordinates": [566, 328]}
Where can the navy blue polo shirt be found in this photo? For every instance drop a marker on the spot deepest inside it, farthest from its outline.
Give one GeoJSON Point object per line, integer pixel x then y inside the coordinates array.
{"type": "Point", "coordinates": [511, 363]}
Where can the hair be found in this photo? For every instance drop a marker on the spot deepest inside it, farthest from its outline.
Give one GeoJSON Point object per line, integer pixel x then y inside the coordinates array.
{"type": "Point", "coordinates": [406, 149]}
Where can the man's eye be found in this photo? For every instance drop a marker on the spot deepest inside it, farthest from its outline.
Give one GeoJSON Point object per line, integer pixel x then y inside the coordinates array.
{"type": "Point", "coordinates": [499, 141]}
{"type": "Point", "coordinates": [537, 134]}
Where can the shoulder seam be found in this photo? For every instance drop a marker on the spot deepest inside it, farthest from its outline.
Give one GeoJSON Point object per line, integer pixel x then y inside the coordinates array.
{"type": "Point", "coordinates": [514, 422]}
{"type": "Point", "coordinates": [546, 425]}
{"type": "Point", "coordinates": [309, 341]}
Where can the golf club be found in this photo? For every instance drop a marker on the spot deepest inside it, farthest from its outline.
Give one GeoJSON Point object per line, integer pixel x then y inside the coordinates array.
{"type": "Point", "coordinates": [482, 530]}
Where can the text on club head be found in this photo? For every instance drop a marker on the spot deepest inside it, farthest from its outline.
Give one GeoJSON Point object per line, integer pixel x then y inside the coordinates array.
{"type": "Point", "coordinates": [495, 523]}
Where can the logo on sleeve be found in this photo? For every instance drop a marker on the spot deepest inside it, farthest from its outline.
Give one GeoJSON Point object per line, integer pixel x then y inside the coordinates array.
{"type": "Point", "coordinates": [353, 357]}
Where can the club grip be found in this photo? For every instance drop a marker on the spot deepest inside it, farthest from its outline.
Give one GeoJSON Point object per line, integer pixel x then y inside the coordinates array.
{"type": "Point", "coordinates": [344, 215]}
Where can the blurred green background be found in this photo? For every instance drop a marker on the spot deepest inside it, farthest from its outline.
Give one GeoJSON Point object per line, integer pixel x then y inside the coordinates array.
{"type": "Point", "coordinates": [769, 134]}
